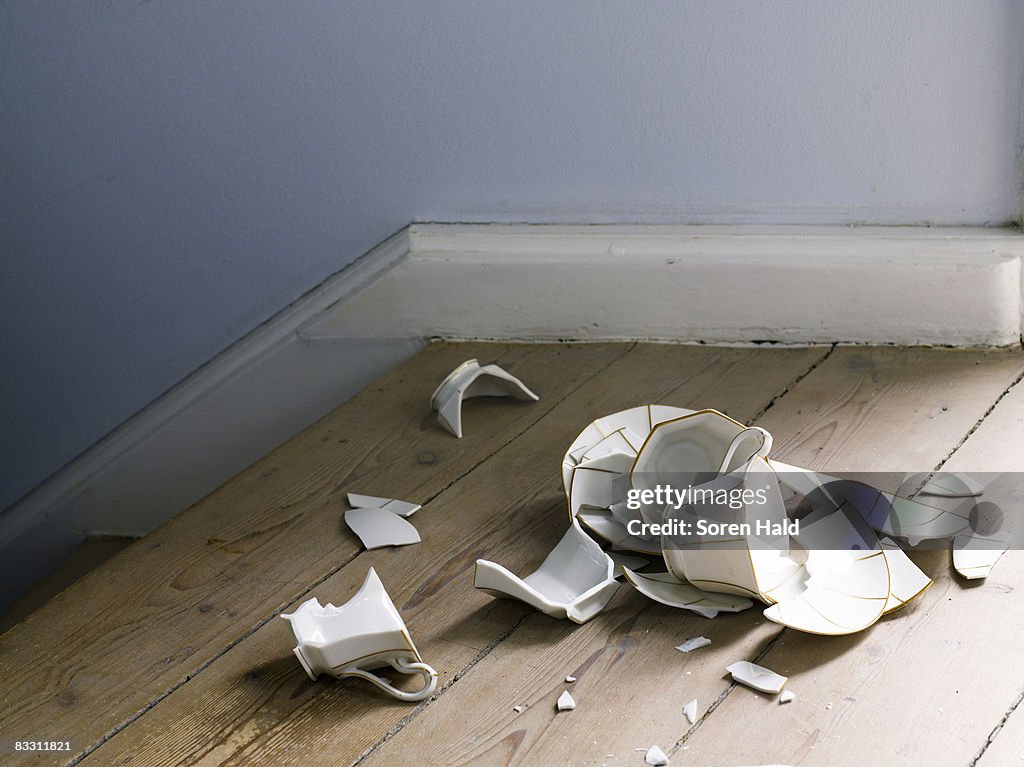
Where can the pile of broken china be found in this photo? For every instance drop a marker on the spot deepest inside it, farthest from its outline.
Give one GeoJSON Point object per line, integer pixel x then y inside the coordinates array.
{"type": "Point", "coordinates": [836, 590]}
{"type": "Point", "coordinates": [853, 572]}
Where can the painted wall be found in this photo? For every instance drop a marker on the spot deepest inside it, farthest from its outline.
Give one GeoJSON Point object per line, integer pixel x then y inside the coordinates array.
{"type": "Point", "coordinates": [172, 174]}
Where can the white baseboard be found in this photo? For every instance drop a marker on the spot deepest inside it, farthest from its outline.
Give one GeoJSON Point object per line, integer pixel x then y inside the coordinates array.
{"type": "Point", "coordinates": [716, 284]}
{"type": "Point", "coordinates": [899, 285]}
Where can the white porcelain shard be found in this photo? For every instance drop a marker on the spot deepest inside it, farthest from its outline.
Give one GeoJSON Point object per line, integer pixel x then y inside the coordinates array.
{"type": "Point", "coordinates": [690, 711]}
{"type": "Point", "coordinates": [377, 528]}
{"type": "Point", "coordinates": [694, 643]}
{"type": "Point", "coordinates": [468, 380]}
{"type": "Point", "coordinates": [655, 757]}
{"type": "Point", "coordinates": [401, 508]}
{"type": "Point", "coordinates": [364, 634]}
{"type": "Point", "coordinates": [787, 696]}
{"type": "Point", "coordinates": [565, 702]}
{"type": "Point", "coordinates": [669, 590]}
{"type": "Point", "coordinates": [517, 709]}
{"type": "Point", "coordinates": [906, 580]}
{"type": "Point", "coordinates": [756, 677]}
{"type": "Point", "coordinates": [974, 555]}
{"type": "Point", "coordinates": [570, 678]}
{"type": "Point", "coordinates": [575, 581]}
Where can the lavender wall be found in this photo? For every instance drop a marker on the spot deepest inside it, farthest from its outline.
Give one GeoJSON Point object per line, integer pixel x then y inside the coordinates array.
{"type": "Point", "coordinates": [173, 173]}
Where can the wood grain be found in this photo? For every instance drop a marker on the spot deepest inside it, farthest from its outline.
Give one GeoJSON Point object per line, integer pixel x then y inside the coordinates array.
{"type": "Point", "coordinates": [155, 614]}
{"type": "Point", "coordinates": [631, 682]}
{"type": "Point", "coordinates": [927, 684]}
{"type": "Point", "coordinates": [255, 706]}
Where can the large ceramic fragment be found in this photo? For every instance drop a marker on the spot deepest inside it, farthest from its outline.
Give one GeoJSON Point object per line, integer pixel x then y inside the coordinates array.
{"type": "Point", "coordinates": [377, 528]}
{"type": "Point", "coordinates": [756, 677]}
{"type": "Point", "coordinates": [470, 379]}
{"type": "Point", "coordinates": [364, 634]}
{"type": "Point", "coordinates": [575, 581]}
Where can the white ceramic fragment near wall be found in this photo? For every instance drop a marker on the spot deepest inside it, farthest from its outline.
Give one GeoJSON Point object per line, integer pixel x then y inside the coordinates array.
{"type": "Point", "coordinates": [575, 581]}
{"type": "Point", "coordinates": [469, 380]}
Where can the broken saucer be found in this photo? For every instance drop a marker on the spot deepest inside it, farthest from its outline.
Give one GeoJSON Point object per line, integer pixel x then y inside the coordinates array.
{"type": "Point", "coordinates": [468, 380]}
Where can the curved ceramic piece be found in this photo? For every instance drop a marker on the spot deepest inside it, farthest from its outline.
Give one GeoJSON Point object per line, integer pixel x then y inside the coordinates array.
{"type": "Point", "coordinates": [669, 590]}
{"type": "Point", "coordinates": [848, 582]}
{"type": "Point", "coordinates": [638, 421]}
{"type": "Point", "coordinates": [401, 508]}
{"type": "Point", "coordinates": [377, 528]}
{"type": "Point", "coordinates": [575, 581]}
{"type": "Point", "coordinates": [364, 634]}
{"type": "Point", "coordinates": [906, 580]}
{"type": "Point", "coordinates": [468, 380]}
{"type": "Point", "coordinates": [974, 555]}
{"type": "Point", "coordinates": [757, 677]}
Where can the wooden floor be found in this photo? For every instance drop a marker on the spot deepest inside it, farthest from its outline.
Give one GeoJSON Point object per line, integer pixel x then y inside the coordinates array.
{"type": "Point", "coordinates": [172, 651]}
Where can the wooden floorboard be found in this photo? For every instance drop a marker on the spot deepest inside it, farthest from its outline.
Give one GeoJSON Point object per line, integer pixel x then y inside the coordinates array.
{"type": "Point", "coordinates": [631, 682]}
{"type": "Point", "coordinates": [255, 706]}
{"type": "Point", "coordinates": [156, 614]}
{"type": "Point", "coordinates": [171, 652]}
{"type": "Point", "coordinates": [925, 686]}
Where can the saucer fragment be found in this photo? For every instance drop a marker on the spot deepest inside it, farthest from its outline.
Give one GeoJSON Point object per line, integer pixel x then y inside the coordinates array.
{"type": "Point", "coordinates": [377, 528]}
{"type": "Point", "coordinates": [468, 380]}
{"type": "Point", "coordinates": [787, 696]}
{"type": "Point", "coordinates": [401, 508]}
{"type": "Point", "coordinates": [667, 589]}
{"type": "Point", "coordinates": [565, 702]}
{"type": "Point", "coordinates": [655, 757]}
{"type": "Point", "coordinates": [756, 677]}
{"type": "Point", "coordinates": [694, 643]}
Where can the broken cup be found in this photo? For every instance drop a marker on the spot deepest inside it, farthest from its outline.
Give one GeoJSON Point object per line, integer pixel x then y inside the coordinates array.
{"type": "Point", "coordinates": [364, 634]}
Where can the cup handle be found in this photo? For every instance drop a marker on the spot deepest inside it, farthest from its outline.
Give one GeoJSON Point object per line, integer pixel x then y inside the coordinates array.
{"type": "Point", "coordinates": [405, 667]}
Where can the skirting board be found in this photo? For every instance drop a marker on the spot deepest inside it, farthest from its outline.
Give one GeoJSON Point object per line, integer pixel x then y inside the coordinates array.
{"type": "Point", "coordinates": [713, 284]}
{"type": "Point", "coordinates": [898, 285]}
